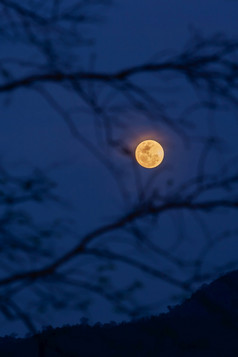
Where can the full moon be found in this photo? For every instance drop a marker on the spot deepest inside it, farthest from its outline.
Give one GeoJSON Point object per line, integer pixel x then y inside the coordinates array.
{"type": "Point", "coordinates": [149, 154]}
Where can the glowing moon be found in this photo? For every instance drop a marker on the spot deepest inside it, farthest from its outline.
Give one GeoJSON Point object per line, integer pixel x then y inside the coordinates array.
{"type": "Point", "coordinates": [149, 154]}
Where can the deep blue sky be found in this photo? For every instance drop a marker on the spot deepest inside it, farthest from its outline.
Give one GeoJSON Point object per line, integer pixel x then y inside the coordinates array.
{"type": "Point", "coordinates": [31, 133]}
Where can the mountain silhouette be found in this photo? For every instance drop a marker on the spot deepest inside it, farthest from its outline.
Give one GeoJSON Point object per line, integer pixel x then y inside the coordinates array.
{"type": "Point", "coordinates": [205, 325]}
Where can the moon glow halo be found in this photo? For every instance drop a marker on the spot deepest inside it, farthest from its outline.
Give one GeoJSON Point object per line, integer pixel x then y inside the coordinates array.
{"type": "Point", "coordinates": [149, 154]}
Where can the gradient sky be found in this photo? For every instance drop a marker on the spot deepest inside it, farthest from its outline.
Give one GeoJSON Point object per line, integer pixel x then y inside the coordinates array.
{"type": "Point", "coordinates": [32, 134]}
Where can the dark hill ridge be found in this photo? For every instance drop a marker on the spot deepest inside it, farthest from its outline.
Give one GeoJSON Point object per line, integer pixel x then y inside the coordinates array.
{"type": "Point", "coordinates": [205, 325]}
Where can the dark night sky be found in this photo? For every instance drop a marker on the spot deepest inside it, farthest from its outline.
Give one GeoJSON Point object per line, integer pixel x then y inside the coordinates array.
{"type": "Point", "coordinates": [32, 134]}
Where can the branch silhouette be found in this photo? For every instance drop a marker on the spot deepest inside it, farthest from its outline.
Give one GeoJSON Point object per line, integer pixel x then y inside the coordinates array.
{"type": "Point", "coordinates": [55, 34]}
